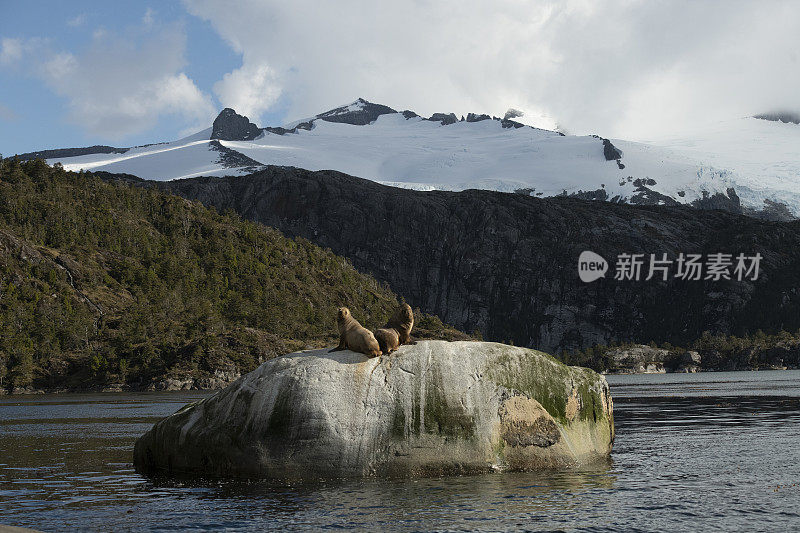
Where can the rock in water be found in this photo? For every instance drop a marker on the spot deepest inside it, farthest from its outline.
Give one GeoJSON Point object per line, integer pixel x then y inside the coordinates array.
{"type": "Point", "coordinates": [428, 409]}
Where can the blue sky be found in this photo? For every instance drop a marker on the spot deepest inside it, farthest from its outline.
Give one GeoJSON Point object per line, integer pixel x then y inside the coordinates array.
{"type": "Point", "coordinates": [86, 72]}
{"type": "Point", "coordinates": [34, 116]}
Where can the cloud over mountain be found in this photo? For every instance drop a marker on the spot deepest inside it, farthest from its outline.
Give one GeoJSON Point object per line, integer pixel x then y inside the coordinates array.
{"type": "Point", "coordinates": [119, 84]}
{"type": "Point", "coordinates": [634, 69]}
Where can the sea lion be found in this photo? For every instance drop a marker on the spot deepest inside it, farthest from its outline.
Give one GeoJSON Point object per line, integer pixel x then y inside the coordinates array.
{"type": "Point", "coordinates": [388, 340]}
{"type": "Point", "coordinates": [402, 320]}
{"type": "Point", "coordinates": [397, 330]}
{"type": "Point", "coordinates": [353, 336]}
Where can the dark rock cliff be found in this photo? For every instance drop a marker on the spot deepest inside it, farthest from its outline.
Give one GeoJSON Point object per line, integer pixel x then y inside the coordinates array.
{"type": "Point", "coordinates": [610, 151]}
{"type": "Point", "coordinates": [445, 118]}
{"type": "Point", "coordinates": [230, 158]}
{"type": "Point", "coordinates": [474, 117]}
{"type": "Point", "coordinates": [506, 264]}
{"type": "Point", "coordinates": [230, 126]}
{"type": "Point", "coordinates": [70, 152]}
{"type": "Point", "coordinates": [366, 113]}
{"type": "Point", "coordinates": [788, 117]}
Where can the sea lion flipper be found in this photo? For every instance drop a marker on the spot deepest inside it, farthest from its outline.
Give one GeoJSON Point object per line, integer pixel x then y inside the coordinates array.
{"type": "Point", "coordinates": [342, 345]}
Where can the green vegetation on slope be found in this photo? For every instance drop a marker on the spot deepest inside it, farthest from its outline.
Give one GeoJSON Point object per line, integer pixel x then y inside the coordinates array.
{"type": "Point", "coordinates": [108, 283]}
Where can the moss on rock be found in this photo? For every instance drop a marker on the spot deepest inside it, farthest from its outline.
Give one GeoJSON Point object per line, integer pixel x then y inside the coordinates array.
{"type": "Point", "coordinates": [432, 408]}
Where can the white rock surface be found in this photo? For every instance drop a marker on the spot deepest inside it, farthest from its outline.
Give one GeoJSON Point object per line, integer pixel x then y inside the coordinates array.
{"type": "Point", "coordinates": [432, 408]}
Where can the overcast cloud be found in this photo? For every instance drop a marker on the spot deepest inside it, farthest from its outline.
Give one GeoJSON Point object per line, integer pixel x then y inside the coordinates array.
{"type": "Point", "coordinates": [625, 69]}
{"type": "Point", "coordinates": [120, 84]}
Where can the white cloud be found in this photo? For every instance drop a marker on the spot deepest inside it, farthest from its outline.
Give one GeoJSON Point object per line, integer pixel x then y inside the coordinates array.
{"type": "Point", "coordinates": [121, 84]}
{"type": "Point", "coordinates": [250, 90]}
{"type": "Point", "coordinates": [11, 50]}
{"type": "Point", "coordinates": [617, 67]}
{"type": "Point", "coordinates": [7, 114]}
{"type": "Point", "coordinates": [59, 67]}
{"type": "Point", "coordinates": [77, 21]}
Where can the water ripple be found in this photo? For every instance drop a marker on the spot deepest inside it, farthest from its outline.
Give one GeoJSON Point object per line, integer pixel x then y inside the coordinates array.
{"type": "Point", "coordinates": [713, 452]}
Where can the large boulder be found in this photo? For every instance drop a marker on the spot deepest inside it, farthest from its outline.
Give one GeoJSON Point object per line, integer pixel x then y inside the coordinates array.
{"type": "Point", "coordinates": [427, 409]}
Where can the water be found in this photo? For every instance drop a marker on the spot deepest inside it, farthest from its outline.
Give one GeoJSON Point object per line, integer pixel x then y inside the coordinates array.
{"type": "Point", "coordinates": [715, 451]}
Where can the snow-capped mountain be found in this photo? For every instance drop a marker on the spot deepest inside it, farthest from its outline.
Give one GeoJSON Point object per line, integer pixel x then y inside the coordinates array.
{"type": "Point", "coordinates": [755, 162]}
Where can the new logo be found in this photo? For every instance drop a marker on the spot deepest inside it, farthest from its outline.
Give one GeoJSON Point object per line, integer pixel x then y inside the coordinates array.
{"type": "Point", "coordinates": [591, 266]}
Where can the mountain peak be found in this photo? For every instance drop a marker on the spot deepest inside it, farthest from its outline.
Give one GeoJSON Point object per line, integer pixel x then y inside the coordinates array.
{"type": "Point", "coordinates": [231, 126]}
{"type": "Point", "coordinates": [359, 113]}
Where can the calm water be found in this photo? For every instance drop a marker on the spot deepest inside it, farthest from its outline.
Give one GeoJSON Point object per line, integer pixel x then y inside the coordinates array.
{"type": "Point", "coordinates": [717, 451]}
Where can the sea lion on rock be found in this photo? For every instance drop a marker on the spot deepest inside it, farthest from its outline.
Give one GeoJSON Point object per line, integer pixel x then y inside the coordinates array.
{"type": "Point", "coordinates": [388, 340]}
{"type": "Point", "coordinates": [397, 331]}
{"type": "Point", "coordinates": [353, 336]}
{"type": "Point", "coordinates": [402, 321]}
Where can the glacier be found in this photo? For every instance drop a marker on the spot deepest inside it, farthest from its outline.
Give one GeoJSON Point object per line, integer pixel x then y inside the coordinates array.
{"type": "Point", "coordinates": [756, 160]}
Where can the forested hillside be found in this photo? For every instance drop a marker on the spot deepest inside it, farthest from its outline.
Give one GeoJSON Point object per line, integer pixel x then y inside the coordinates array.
{"type": "Point", "coordinates": [106, 284]}
{"type": "Point", "coordinates": [507, 264]}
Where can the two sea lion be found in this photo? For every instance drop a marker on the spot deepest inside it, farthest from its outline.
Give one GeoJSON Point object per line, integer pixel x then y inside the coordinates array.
{"type": "Point", "coordinates": [397, 331]}
{"type": "Point", "coordinates": [353, 336]}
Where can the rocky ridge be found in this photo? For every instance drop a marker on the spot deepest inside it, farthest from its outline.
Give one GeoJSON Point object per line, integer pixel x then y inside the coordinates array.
{"type": "Point", "coordinates": [231, 126]}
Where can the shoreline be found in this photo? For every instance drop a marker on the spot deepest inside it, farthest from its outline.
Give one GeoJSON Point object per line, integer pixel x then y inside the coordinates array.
{"type": "Point", "coordinates": [627, 372]}
{"type": "Point", "coordinates": [168, 385]}
{"type": "Point", "coordinates": [174, 385]}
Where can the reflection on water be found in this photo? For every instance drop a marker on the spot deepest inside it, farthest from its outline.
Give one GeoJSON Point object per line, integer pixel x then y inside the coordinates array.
{"type": "Point", "coordinates": [693, 451]}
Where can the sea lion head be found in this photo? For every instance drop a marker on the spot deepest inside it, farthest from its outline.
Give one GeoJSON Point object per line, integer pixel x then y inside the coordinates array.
{"type": "Point", "coordinates": [343, 318]}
